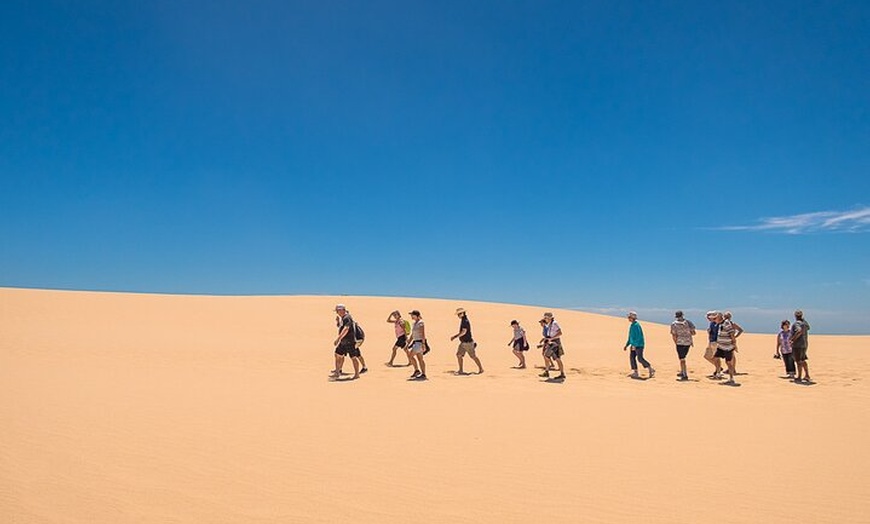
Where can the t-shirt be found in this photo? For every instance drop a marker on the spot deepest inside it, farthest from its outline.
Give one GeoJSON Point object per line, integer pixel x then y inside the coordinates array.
{"type": "Point", "coordinates": [784, 342]}
{"type": "Point", "coordinates": [683, 329]}
{"type": "Point", "coordinates": [724, 340]}
{"type": "Point", "coordinates": [350, 337]}
{"type": "Point", "coordinates": [417, 331]}
{"type": "Point", "coordinates": [519, 333]}
{"type": "Point", "coordinates": [713, 331]}
{"type": "Point", "coordinates": [799, 330]}
{"type": "Point", "coordinates": [466, 325]}
{"type": "Point", "coordinates": [553, 330]}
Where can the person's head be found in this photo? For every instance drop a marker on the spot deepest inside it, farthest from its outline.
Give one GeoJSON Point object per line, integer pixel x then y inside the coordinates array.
{"type": "Point", "coordinates": [719, 318]}
{"type": "Point", "coordinates": [711, 315]}
{"type": "Point", "coordinates": [785, 324]}
{"type": "Point", "coordinates": [632, 316]}
{"type": "Point", "coordinates": [340, 310]}
{"type": "Point", "coordinates": [396, 314]}
{"type": "Point", "coordinates": [678, 315]}
{"type": "Point", "coordinates": [727, 315]}
{"type": "Point", "coordinates": [798, 314]}
{"type": "Point", "coordinates": [514, 323]}
{"type": "Point", "coordinates": [460, 312]}
{"type": "Point", "coordinates": [548, 317]}
{"type": "Point", "coordinates": [543, 322]}
{"type": "Point", "coordinates": [415, 315]}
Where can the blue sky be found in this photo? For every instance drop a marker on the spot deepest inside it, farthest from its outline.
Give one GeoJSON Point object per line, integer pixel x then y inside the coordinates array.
{"type": "Point", "coordinates": [594, 155]}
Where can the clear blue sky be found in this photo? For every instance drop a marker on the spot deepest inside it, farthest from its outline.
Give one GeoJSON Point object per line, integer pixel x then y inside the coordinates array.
{"type": "Point", "coordinates": [595, 155]}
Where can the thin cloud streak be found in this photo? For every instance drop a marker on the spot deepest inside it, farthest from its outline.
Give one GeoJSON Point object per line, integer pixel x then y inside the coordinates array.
{"type": "Point", "coordinates": [855, 221]}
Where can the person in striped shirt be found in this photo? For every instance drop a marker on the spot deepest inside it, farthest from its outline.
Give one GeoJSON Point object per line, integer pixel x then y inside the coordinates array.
{"type": "Point", "coordinates": [726, 344]}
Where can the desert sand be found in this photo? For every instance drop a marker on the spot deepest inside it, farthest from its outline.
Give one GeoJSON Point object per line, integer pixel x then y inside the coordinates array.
{"type": "Point", "coordinates": [120, 408]}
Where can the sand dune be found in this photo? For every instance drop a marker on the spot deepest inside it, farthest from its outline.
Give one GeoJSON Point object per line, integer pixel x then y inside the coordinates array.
{"type": "Point", "coordinates": [156, 409]}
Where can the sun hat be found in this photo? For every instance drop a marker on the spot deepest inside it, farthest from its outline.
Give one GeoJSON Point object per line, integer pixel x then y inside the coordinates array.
{"type": "Point", "coordinates": [340, 307]}
{"type": "Point", "coordinates": [460, 311]}
{"type": "Point", "coordinates": [632, 314]}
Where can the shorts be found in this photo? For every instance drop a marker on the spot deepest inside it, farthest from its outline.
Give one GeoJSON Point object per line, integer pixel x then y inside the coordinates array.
{"type": "Point", "coordinates": [401, 342]}
{"type": "Point", "coordinates": [800, 354]}
{"type": "Point", "coordinates": [519, 345]}
{"type": "Point", "coordinates": [727, 355]}
{"type": "Point", "coordinates": [417, 347]}
{"type": "Point", "coordinates": [711, 350]}
{"type": "Point", "coordinates": [554, 349]}
{"type": "Point", "coordinates": [682, 351]}
{"type": "Point", "coordinates": [347, 349]}
{"type": "Point", "coordinates": [467, 347]}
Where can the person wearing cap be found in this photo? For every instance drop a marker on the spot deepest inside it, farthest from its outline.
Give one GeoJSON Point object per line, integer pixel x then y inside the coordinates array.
{"type": "Point", "coordinates": [726, 343]}
{"type": "Point", "coordinates": [520, 343]}
{"type": "Point", "coordinates": [553, 350]}
{"type": "Point", "coordinates": [799, 344]}
{"type": "Point", "coordinates": [467, 345]}
{"type": "Point", "coordinates": [417, 346]}
{"type": "Point", "coordinates": [403, 329]}
{"type": "Point", "coordinates": [636, 343]}
{"type": "Point", "coordinates": [712, 335]}
{"type": "Point", "coordinates": [682, 331]}
{"type": "Point", "coordinates": [345, 343]}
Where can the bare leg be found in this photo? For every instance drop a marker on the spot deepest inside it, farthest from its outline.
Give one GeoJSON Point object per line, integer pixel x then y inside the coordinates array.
{"type": "Point", "coordinates": [393, 356]}
{"type": "Point", "coordinates": [477, 361]}
{"type": "Point", "coordinates": [355, 361]}
{"type": "Point", "coordinates": [683, 367]}
{"type": "Point", "coordinates": [422, 364]}
{"type": "Point", "coordinates": [459, 359]}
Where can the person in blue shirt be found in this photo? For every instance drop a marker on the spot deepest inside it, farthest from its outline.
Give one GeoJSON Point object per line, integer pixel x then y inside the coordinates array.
{"type": "Point", "coordinates": [636, 343]}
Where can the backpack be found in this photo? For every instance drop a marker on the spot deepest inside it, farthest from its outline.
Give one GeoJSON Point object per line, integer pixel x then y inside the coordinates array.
{"type": "Point", "coordinates": [407, 326]}
{"type": "Point", "coordinates": [358, 332]}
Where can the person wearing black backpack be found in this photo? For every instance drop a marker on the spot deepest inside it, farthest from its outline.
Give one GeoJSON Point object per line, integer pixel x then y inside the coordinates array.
{"type": "Point", "coordinates": [360, 336]}
{"type": "Point", "coordinates": [345, 343]}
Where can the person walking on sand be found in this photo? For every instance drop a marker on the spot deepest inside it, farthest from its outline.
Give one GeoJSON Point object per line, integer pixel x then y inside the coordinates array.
{"type": "Point", "coordinates": [682, 331]}
{"type": "Point", "coordinates": [738, 330]}
{"type": "Point", "coordinates": [783, 348]}
{"type": "Point", "coordinates": [636, 343]}
{"type": "Point", "coordinates": [799, 344]}
{"type": "Point", "coordinates": [712, 335]}
{"type": "Point", "coordinates": [345, 343]}
{"type": "Point", "coordinates": [726, 343]}
{"type": "Point", "coordinates": [520, 343]}
{"type": "Point", "coordinates": [403, 329]}
{"type": "Point", "coordinates": [548, 364]}
{"type": "Point", "coordinates": [553, 350]}
{"type": "Point", "coordinates": [467, 345]}
{"type": "Point", "coordinates": [417, 346]}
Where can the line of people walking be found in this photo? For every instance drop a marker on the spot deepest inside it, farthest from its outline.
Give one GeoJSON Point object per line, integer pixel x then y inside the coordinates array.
{"type": "Point", "coordinates": [722, 334]}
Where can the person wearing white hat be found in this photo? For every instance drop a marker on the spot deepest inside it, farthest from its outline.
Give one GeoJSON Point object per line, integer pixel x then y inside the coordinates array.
{"type": "Point", "coordinates": [553, 350]}
{"type": "Point", "coordinates": [636, 343]}
{"type": "Point", "coordinates": [682, 331]}
{"type": "Point", "coordinates": [345, 343]}
{"type": "Point", "coordinates": [467, 345]}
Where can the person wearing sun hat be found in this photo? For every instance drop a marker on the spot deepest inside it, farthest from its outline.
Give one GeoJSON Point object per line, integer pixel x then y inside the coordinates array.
{"type": "Point", "coordinates": [345, 343]}
{"type": "Point", "coordinates": [467, 345]}
{"type": "Point", "coordinates": [682, 331]}
{"type": "Point", "coordinates": [553, 350]}
{"type": "Point", "coordinates": [417, 346]}
{"type": "Point", "coordinates": [636, 343]}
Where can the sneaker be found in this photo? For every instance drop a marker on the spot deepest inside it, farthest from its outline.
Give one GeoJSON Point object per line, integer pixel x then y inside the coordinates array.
{"type": "Point", "coordinates": [421, 377]}
{"type": "Point", "coordinates": [363, 370]}
{"type": "Point", "coordinates": [634, 375]}
{"type": "Point", "coordinates": [652, 372]}
{"type": "Point", "coordinates": [416, 373]}
{"type": "Point", "coordinates": [545, 374]}
{"type": "Point", "coordinates": [560, 377]}
{"type": "Point", "coordinates": [682, 378]}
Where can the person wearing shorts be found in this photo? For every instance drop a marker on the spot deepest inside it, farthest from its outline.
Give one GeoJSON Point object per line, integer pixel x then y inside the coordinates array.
{"type": "Point", "coordinates": [402, 328]}
{"type": "Point", "coordinates": [552, 342]}
{"type": "Point", "coordinates": [467, 345]}
{"type": "Point", "coordinates": [519, 343]}
{"type": "Point", "coordinates": [738, 330]}
{"type": "Point", "coordinates": [417, 346]}
{"type": "Point", "coordinates": [726, 344]}
{"type": "Point", "coordinates": [682, 331]}
{"type": "Point", "coordinates": [345, 343]}
{"type": "Point", "coordinates": [636, 343]}
{"type": "Point", "coordinates": [712, 335]}
{"type": "Point", "coordinates": [799, 344]}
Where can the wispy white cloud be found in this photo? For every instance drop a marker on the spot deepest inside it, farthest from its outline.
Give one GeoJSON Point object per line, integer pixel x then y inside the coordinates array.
{"type": "Point", "coordinates": [854, 221]}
